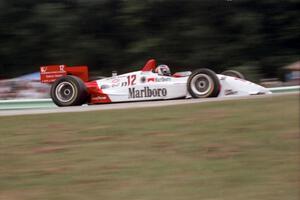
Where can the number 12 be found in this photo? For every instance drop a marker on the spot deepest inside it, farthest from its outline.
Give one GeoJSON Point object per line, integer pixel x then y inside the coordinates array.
{"type": "Point", "coordinates": [131, 80]}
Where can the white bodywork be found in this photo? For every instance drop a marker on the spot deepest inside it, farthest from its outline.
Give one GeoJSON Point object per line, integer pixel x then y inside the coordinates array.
{"type": "Point", "coordinates": [146, 85]}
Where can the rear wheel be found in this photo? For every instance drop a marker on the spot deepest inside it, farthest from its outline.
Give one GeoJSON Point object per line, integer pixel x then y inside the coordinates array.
{"type": "Point", "coordinates": [203, 83]}
{"type": "Point", "coordinates": [234, 73]}
{"type": "Point", "coordinates": [69, 91]}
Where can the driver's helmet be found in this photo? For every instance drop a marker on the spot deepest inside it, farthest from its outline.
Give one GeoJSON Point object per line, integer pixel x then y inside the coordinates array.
{"type": "Point", "coordinates": [163, 70]}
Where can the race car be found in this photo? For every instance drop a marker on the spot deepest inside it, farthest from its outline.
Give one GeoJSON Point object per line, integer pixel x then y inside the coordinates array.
{"type": "Point", "coordinates": [71, 85]}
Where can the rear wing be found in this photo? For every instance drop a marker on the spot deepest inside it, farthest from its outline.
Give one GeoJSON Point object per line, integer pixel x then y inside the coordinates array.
{"type": "Point", "coordinates": [52, 72]}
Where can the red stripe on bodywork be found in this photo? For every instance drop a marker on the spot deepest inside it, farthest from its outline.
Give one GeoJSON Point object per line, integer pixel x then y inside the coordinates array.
{"type": "Point", "coordinates": [97, 95]}
{"type": "Point", "coordinates": [149, 66]}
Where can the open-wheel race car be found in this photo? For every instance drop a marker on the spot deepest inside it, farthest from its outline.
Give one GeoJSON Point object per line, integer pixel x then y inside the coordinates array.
{"type": "Point", "coordinates": [71, 85]}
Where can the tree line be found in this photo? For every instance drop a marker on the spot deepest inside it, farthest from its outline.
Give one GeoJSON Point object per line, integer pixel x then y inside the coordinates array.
{"type": "Point", "coordinates": [256, 36]}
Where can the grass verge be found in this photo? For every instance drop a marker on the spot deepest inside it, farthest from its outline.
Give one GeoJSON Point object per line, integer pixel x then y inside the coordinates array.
{"type": "Point", "coordinates": [231, 150]}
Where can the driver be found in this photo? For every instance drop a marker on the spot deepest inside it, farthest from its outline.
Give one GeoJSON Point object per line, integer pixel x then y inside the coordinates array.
{"type": "Point", "coordinates": [163, 70]}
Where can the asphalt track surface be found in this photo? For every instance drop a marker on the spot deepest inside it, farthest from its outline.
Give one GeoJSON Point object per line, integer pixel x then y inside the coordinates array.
{"type": "Point", "coordinates": [130, 105]}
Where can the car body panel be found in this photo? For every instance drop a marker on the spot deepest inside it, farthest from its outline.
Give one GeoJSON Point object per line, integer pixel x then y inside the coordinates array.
{"type": "Point", "coordinates": [232, 86]}
{"type": "Point", "coordinates": [146, 85]}
{"type": "Point", "coordinates": [140, 86]}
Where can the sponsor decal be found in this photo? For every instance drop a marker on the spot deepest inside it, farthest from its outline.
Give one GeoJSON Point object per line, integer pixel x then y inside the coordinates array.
{"type": "Point", "coordinates": [115, 83]}
{"type": "Point", "coordinates": [230, 92]}
{"type": "Point", "coordinates": [160, 79]}
{"type": "Point", "coordinates": [147, 92]}
{"type": "Point", "coordinates": [99, 98]}
{"type": "Point", "coordinates": [143, 79]}
{"type": "Point", "coordinates": [150, 80]}
{"type": "Point", "coordinates": [61, 67]}
{"type": "Point", "coordinates": [53, 75]}
{"type": "Point", "coordinates": [43, 69]}
{"type": "Point", "coordinates": [104, 87]}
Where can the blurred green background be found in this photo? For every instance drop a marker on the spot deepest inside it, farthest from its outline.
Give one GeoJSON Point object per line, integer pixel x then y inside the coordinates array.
{"type": "Point", "coordinates": [260, 36]}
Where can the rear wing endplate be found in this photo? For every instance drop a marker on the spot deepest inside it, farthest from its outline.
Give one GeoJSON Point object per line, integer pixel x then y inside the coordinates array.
{"type": "Point", "coordinates": [52, 72]}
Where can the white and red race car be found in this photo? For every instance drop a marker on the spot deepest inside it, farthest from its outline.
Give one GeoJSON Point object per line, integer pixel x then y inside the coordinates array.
{"type": "Point", "coordinates": [71, 85]}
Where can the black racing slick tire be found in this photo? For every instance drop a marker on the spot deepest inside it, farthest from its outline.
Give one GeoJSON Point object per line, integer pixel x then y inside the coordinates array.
{"type": "Point", "coordinates": [69, 91]}
{"type": "Point", "coordinates": [203, 83]}
{"type": "Point", "coordinates": [234, 73]}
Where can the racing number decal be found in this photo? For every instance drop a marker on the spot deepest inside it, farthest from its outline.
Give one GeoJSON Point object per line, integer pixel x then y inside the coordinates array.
{"type": "Point", "coordinates": [133, 77]}
{"type": "Point", "coordinates": [131, 80]}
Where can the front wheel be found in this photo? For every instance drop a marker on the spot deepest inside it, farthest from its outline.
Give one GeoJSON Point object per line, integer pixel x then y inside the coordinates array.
{"type": "Point", "coordinates": [69, 91]}
{"type": "Point", "coordinates": [203, 83]}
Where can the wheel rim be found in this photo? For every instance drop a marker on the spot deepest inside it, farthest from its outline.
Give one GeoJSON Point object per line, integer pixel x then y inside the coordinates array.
{"type": "Point", "coordinates": [202, 85]}
{"type": "Point", "coordinates": [65, 92]}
